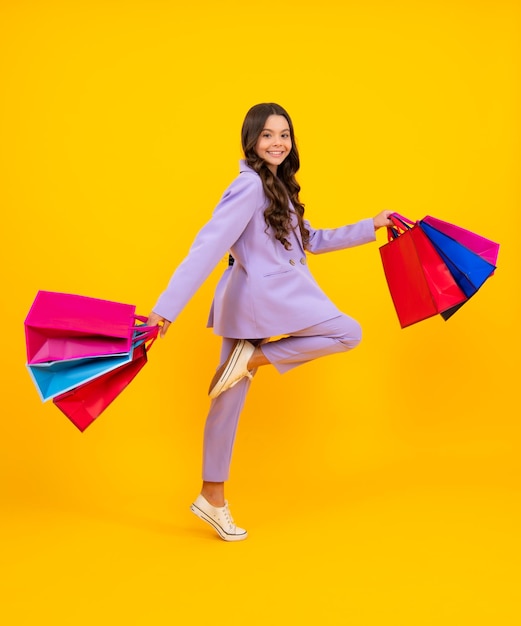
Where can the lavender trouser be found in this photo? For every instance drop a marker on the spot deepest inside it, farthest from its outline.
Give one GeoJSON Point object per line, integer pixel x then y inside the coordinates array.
{"type": "Point", "coordinates": [339, 334]}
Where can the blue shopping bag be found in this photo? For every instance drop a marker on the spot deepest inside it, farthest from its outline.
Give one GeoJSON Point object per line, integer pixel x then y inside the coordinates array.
{"type": "Point", "coordinates": [470, 270]}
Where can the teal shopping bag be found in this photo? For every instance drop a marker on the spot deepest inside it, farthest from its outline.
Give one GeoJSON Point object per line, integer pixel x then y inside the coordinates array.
{"type": "Point", "coordinates": [57, 377]}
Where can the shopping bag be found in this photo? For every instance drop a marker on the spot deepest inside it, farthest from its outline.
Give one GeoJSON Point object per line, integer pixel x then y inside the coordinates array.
{"type": "Point", "coordinates": [485, 248]}
{"type": "Point", "coordinates": [85, 403]}
{"type": "Point", "coordinates": [419, 281]}
{"type": "Point", "coordinates": [56, 377]}
{"type": "Point", "coordinates": [469, 263]}
{"type": "Point", "coordinates": [469, 270]}
{"type": "Point", "coordinates": [65, 326]}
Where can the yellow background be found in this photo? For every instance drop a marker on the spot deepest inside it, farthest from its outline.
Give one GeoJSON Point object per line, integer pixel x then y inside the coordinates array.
{"type": "Point", "coordinates": [381, 487]}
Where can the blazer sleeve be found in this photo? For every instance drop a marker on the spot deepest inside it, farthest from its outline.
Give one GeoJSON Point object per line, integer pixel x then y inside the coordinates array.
{"type": "Point", "coordinates": [329, 240]}
{"type": "Point", "coordinates": [229, 219]}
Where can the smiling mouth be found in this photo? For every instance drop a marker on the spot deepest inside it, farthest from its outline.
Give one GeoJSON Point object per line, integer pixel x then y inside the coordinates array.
{"type": "Point", "coordinates": [275, 154]}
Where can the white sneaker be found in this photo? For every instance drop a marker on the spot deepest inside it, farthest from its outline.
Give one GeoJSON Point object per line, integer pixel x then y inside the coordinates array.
{"type": "Point", "coordinates": [219, 518]}
{"type": "Point", "coordinates": [233, 369]}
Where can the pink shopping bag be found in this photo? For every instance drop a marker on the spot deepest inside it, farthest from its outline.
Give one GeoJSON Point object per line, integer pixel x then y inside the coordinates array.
{"type": "Point", "coordinates": [61, 326]}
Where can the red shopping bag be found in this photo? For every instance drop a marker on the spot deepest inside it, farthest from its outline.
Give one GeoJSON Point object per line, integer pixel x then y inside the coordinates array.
{"type": "Point", "coordinates": [85, 403]}
{"type": "Point", "coordinates": [419, 281]}
{"type": "Point", "coordinates": [62, 326]}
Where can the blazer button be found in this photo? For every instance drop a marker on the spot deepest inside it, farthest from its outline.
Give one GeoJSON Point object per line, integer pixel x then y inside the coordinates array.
{"type": "Point", "coordinates": [303, 260]}
{"type": "Point", "coordinates": [291, 262]}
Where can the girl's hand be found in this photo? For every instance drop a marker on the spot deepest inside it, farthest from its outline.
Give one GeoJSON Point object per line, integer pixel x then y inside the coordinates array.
{"type": "Point", "coordinates": [382, 219]}
{"type": "Point", "coordinates": [156, 320]}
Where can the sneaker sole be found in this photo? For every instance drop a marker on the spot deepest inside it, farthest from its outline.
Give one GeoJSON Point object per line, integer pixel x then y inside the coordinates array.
{"type": "Point", "coordinates": [223, 373]}
{"type": "Point", "coordinates": [220, 531]}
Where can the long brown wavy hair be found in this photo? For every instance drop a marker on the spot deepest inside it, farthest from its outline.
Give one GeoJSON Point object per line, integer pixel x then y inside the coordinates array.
{"type": "Point", "coordinates": [280, 188]}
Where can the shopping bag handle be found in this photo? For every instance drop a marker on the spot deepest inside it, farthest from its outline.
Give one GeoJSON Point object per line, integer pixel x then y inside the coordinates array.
{"type": "Point", "coordinates": [153, 338]}
{"type": "Point", "coordinates": [148, 337]}
{"type": "Point", "coordinates": [400, 225]}
{"type": "Point", "coordinates": [403, 220]}
{"type": "Point", "coordinates": [145, 332]}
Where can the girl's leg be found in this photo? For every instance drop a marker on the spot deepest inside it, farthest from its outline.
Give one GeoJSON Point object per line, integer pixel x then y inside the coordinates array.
{"type": "Point", "coordinates": [339, 334]}
{"type": "Point", "coordinates": [336, 335]}
{"type": "Point", "coordinates": [219, 435]}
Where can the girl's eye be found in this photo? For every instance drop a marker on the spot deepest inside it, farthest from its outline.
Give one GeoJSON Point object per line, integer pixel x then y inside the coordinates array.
{"type": "Point", "coordinates": [266, 135]}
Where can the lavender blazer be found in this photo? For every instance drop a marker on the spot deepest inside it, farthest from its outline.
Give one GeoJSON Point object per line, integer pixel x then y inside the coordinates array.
{"type": "Point", "coordinates": [269, 290]}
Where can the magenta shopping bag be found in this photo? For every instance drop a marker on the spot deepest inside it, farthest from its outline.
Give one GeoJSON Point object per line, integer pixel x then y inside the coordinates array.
{"type": "Point", "coordinates": [62, 326]}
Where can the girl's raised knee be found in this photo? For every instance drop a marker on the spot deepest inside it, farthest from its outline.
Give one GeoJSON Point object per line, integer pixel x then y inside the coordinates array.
{"type": "Point", "coordinates": [353, 335]}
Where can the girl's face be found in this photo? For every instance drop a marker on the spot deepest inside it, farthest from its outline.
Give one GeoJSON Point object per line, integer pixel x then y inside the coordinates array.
{"type": "Point", "coordinates": [274, 142]}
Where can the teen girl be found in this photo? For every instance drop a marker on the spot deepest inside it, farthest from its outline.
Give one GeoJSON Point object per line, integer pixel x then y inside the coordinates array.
{"type": "Point", "coordinates": [266, 291]}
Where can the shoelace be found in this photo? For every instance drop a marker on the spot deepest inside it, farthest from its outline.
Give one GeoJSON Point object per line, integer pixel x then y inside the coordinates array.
{"type": "Point", "coordinates": [228, 516]}
{"type": "Point", "coordinates": [248, 374]}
